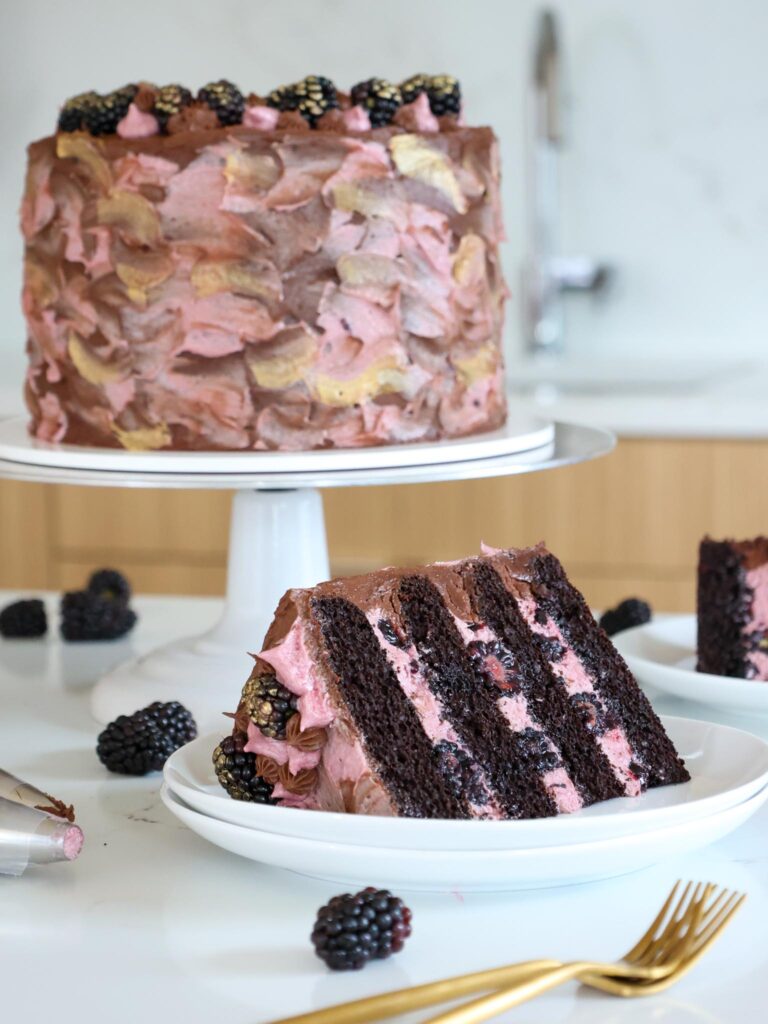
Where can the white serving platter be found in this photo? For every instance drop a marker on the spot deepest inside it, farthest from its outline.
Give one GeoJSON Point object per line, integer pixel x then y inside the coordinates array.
{"type": "Point", "coordinates": [460, 871]}
{"type": "Point", "coordinates": [727, 767]}
{"type": "Point", "coordinates": [522, 432]}
{"type": "Point", "coordinates": [662, 654]}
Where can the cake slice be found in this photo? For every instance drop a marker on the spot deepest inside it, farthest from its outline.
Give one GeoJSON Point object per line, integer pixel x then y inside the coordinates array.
{"type": "Point", "coordinates": [481, 688]}
{"type": "Point", "coordinates": [732, 600]}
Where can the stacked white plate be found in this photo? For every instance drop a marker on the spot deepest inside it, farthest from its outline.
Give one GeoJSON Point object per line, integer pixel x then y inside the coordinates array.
{"type": "Point", "coordinates": [729, 782]}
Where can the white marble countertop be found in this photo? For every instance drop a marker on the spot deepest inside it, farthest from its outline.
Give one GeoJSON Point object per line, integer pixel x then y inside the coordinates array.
{"type": "Point", "coordinates": [151, 923]}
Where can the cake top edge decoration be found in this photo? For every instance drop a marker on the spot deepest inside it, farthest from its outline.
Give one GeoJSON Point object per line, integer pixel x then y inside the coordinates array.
{"type": "Point", "coordinates": [142, 109]}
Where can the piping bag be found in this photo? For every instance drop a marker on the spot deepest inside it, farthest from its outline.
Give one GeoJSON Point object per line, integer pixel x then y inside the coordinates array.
{"type": "Point", "coordinates": [34, 827]}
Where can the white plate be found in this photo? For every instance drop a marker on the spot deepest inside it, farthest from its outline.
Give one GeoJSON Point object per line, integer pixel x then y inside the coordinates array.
{"type": "Point", "coordinates": [727, 766]}
{"type": "Point", "coordinates": [460, 870]}
{"type": "Point", "coordinates": [521, 433]}
{"type": "Point", "coordinates": [662, 653]}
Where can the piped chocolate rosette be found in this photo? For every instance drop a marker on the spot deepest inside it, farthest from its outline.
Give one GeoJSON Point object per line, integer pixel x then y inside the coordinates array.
{"type": "Point", "coordinates": [140, 110]}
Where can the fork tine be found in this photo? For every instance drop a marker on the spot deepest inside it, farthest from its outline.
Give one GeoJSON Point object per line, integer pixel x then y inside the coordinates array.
{"type": "Point", "coordinates": [674, 939]}
{"type": "Point", "coordinates": [647, 938]}
{"type": "Point", "coordinates": [712, 929]}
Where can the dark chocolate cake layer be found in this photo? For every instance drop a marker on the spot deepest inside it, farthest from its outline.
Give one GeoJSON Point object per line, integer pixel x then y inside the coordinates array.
{"type": "Point", "coordinates": [732, 608]}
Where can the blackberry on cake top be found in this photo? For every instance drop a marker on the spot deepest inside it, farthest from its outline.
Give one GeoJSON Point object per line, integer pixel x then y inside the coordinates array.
{"type": "Point", "coordinates": [379, 97]}
{"type": "Point", "coordinates": [225, 100]}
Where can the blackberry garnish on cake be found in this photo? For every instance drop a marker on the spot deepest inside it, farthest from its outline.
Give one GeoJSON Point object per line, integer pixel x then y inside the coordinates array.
{"type": "Point", "coordinates": [413, 87]}
{"type": "Point", "coordinates": [481, 689]}
{"type": "Point", "coordinates": [142, 742]}
{"type": "Point", "coordinates": [170, 100]}
{"type": "Point", "coordinates": [225, 100]}
{"type": "Point", "coordinates": [89, 616]}
{"type": "Point", "coordinates": [236, 771]}
{"type": "Point", "coordinates": [352, 929]}
{"type": "Point", "coordinates": [104, 115]}
{"type": "Point", "coordinates": [73, 111]}
{"type": "Point", "coordinates": [314, 96]}
{"type": "Point", "coordinates": [379, 97]}
{"type": "Point", "coordinates": [269, 705]}
{"type": "Point", "coordinates": [24, 619]}
{"type": "Point", "coordinates": [282, 98]}
{"type": "Point", "coordinates": [444, 94]}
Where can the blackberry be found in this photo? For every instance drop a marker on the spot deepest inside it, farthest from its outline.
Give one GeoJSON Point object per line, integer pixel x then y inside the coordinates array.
{"type": "Point", "coordinates": [444, 94]}
{"type": "Point", "coordinates": [24, 619]}
{"type": "Point", "coordinates": [314, 95]}
{"type": "Point", "coordinates": [269, 705]}
{"type": "Point", "coordinates": [631, 612]}
{"type": "Point", "coordinates": [283, 98]}
{"type": "Point", "coordinates": [87, 616]}
{"type": "Point", "coordinates": [103, 115]}
{"type": "Point", "coordinates": [142, 742]}
{"type": "Point", "coordinates": [225, 100]}
{"type": "Point", "coordinates": [236, 771]}
{"type": "Point", "coordinates": [536, 751]}
{"type": "Point", "coordinates": [110, 584]}
{"type": "Point", "coordinates": [413, 87]}
{"type": "Point", "coordinates": [73, 111]}
{"type": "Point", "coordinates": [170, 100]}
{"type": "Point", "coordinates": [351, 930]}
{"type": "Point", "coordinates": [379, 97]}
{"type": "Point", "coordinates": [460, 772]}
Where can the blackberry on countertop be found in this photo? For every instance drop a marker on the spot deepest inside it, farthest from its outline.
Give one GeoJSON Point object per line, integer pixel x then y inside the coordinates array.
{"type": "Point", "coordinates": [630, 612]}
{"type": "Point", "coordinates": [73, 111]}
{"type": "Point", "coordinates": [225, 100]}
{"type": "Point", "coordinates": [413, 87]}
{"type": "Point", "coordinates": [142, 742]}
{"type": "Point", "coordinates": [104, 115]}
{"type": "Point", "coordinates": [170, 100]}
{"type": "Point", "coordinates": [24, 619]}
{"type": "Point", "coordinates": [379, 97]}
{"type": "Point", "coordinates": [269, 705]}
{"type": "Point", "coordinates": [110, 584]}
{"type": "Point", "coordinates": [87, 616]}
{"type": "Point", "coordinates": [350, 930]}
{"type": "Point", "coordinates": [236, 771]}
{"type": "Point", "coordinates": [444, 94]}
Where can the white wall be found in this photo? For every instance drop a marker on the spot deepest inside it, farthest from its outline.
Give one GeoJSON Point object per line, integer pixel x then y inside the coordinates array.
{"type": "Point", "coordinates": [665, 173]}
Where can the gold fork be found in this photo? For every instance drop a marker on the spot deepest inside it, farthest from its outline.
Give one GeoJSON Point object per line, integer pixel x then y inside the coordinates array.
{"type": "Point", "coordinates": [666, 952]}
{"type": "Point", "coordinates": [603, 976]}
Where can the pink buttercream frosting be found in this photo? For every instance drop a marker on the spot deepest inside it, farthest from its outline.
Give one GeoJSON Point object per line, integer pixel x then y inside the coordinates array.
{"type": "Point", "coordinates": [262, 117]}
{"type": "Point", "coordinates": [73, 842]}
{"type": "Point", "coordinates": [576, 679]}
{"type": "Point", "coordinates": [298, 673]}
{"type": "Point", "coordinates": [137, 124]}
{"type": "Point", "coordinates": [757, 581]}
{"type": "Point", "coordinates": [356, 119]}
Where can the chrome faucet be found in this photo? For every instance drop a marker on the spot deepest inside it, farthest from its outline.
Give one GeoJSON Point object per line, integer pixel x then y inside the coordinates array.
{"type": "Point", "coordinates": [547, 275]}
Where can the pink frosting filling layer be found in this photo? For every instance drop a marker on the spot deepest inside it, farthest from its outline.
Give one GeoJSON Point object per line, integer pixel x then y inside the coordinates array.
{"type": "Point", "coordinates": [757, 580]}
{"type": "Point", "coordinates": [428, 707]}
{"type": "Point", "coordinates": [613, 743]}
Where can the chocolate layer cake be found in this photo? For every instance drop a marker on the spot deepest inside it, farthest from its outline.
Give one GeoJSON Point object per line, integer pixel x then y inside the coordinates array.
{"type": "Point", "coordinates": [732, 601]}
{"type": "Point", "coordinates": [474, 689]}
{"type": "Point", "coordinates": [307, 270]}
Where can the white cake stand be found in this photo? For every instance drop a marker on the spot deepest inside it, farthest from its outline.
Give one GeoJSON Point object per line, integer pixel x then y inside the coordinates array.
{"type": "Point", "coordinates": [277, 538]}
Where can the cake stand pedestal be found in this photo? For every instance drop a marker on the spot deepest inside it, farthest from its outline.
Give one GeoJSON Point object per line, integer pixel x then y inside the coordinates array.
{"type": "Point", "coordinates": [277, 538]}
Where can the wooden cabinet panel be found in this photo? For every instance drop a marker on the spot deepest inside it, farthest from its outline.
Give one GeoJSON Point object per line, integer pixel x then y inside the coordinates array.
{"type": "Point", "coordinates": [628, 523]}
